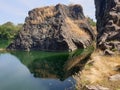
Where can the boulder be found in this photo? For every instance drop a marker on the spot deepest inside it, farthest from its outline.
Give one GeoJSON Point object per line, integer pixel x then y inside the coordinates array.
{"type": "Point", "coordinates": [115, 77]}
{"type": "Point", "coordinates": [96, 87]}
{"type": "Point", "coordinates": [108, 52]}
{"type": "Point", "coordinates": [117, 68]}
{"type": "Point", "coordinates": [54, 28]}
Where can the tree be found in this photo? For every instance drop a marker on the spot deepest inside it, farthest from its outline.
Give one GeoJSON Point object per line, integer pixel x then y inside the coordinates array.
{"type": "Point", "coordinates": [8, 30]}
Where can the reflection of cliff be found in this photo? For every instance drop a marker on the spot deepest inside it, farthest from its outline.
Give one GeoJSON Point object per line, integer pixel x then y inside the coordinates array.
{"type": "Point", "coordinates": [44, 64]}
{"type": "Point", "coordinates": [53, 65]}
{"type": "Point", "coordinates": [16, 76]}
{"type": "Point", "coordinates": [49, 67]}
{"type": "Point", "coordinates": [77, 61]}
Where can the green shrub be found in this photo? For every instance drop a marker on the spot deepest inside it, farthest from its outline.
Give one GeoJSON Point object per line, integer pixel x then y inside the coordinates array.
{"type": "Point", "coordinates": [8, 30]}
{"type": "Point", "coordinates": [91, 21]}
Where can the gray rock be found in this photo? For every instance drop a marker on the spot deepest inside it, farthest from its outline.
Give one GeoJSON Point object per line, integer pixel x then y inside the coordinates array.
{"type": "Point", "coordinates": [54, 28]}
{"type": "Point", "coordinates": [115, 77]}
{"type": "Point", "coordinates": [108, 23]}
{"type": "Point", "coordinates": [117, 68]}
{"type": "Point", "coordinates": [97, 87]}
{"type": "Point", "coordinates": [108, 52]}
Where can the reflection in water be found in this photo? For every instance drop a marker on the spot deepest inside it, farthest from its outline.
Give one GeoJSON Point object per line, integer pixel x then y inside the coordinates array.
{"type": "Point", "coordinates": [44, 64]}
{"type": "Point", "coordinates": [15, 76]}
{"type": "Point", "coordinates": [77, 61]}
{"type": "Point", "coordinates": [40, 70]}
{"type": "Point", "coordinates": [47, 64]}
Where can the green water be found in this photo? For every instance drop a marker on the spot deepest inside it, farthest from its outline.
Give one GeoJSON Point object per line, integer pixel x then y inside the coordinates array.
{"type": "Point", "coordinates": [4, 43]}
{"type": "Point", "coordinates": [35, 70]}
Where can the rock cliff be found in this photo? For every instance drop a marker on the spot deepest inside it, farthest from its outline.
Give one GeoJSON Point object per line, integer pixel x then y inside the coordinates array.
{"type": "Point", "coordinates": [54, 28]}
{"type": "Point", "coordinates": [108, 24]}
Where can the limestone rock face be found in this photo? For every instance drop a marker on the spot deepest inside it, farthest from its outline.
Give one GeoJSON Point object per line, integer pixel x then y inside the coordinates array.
{"type": "Point", "coordinates": [54, 28]}
{"type": "Point", "coordinates": [108, 24]}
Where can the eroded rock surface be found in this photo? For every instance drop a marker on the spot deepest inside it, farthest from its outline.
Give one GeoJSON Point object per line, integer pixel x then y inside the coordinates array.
{"type": "Point", "coordinates": [54, 28]}
{"type": "Point", "coordinates": [108, 24]}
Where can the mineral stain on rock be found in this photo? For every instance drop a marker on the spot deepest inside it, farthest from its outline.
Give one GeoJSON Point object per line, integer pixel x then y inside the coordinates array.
{"type": "Point", "coordinates": [54, 28]}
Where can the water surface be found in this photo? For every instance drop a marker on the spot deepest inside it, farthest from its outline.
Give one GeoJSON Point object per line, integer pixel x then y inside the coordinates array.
{"type": "Point", "coordinates": [35, 71]}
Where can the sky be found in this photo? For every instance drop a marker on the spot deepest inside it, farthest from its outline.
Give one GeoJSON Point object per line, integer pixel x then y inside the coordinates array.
{"type": "Point", "coordinates": [16, 10]}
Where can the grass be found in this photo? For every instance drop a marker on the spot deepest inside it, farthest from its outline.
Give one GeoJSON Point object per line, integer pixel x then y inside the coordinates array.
{"type": "Point", "coordinates": [98, 70]}
{"type": "Point", "coordinates": [42, 14]}
{"type": "Point", "coordinates": [75, 28]}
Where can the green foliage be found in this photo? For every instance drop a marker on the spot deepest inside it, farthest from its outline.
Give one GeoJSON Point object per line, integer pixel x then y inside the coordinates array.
{"type": "Point", "coordinates": [4, 43]}
{"type": "Point", "coordinates": [91, 21]}
{"type": "Point", "coordinates": [8, 30]}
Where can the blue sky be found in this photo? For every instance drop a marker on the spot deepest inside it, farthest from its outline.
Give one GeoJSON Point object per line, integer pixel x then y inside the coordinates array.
{"type": "Point", "coordinates": [17, 10]}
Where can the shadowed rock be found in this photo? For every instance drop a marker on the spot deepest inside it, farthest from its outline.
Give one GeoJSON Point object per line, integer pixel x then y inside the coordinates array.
{"type": "Point", "coordinates": [54, 28]}
{"type": "Point", "coordinates": [108, 24]}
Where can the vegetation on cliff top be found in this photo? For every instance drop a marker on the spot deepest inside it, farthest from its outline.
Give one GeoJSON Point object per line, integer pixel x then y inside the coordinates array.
{"type": "Point", "coordinates": [91, 21]}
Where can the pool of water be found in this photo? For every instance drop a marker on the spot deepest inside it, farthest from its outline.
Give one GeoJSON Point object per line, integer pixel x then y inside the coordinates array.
{"type": "Point", "coordinates": [35, 70]}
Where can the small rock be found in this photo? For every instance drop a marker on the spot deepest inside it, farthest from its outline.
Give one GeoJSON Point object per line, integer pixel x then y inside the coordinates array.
{"type": "Point", "coordinates": [115, 77]}
{"type": "Point", "coordinates": [97, 87]}
{"type": "Point", "coordinates": [117, 68]}
{"type": "Point", "coordinates": [108, 52]}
